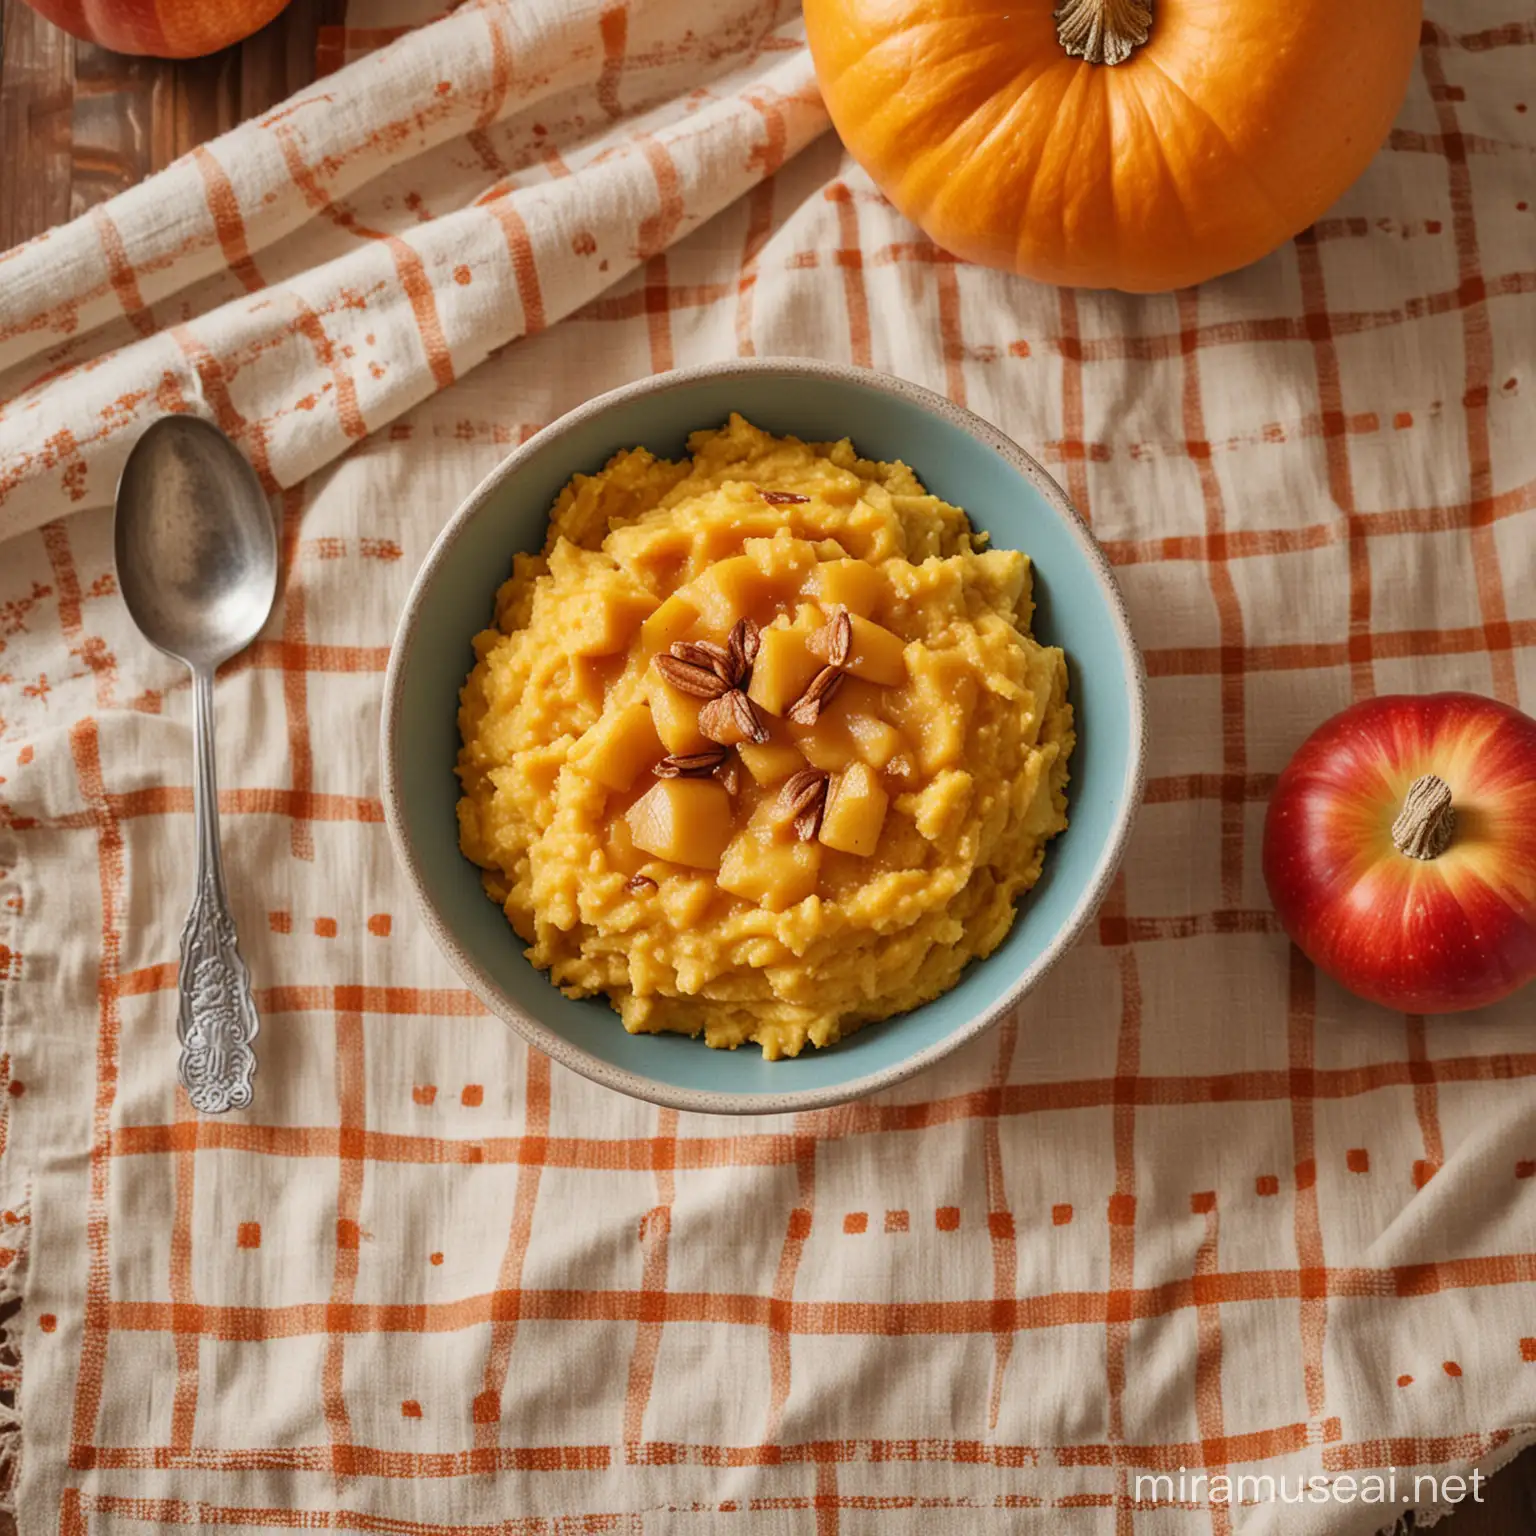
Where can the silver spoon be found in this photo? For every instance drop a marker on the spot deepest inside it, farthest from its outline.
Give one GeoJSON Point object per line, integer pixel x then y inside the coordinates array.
{"type": "Point", "coordinates": [197, 567]}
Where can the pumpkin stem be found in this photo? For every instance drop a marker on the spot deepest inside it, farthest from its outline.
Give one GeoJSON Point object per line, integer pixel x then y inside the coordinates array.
{"type": "Point", "coordinates": [1103, 31]}
{"type": "Point", "coordinates": [1427, 821]}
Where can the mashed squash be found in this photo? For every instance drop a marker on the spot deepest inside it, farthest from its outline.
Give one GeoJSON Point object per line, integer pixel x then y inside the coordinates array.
{"type": "Point", "coordinates": [761, 746]}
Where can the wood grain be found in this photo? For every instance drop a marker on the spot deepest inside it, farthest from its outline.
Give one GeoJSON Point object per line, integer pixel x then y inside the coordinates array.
{"type": "Point", "coordinates": [79, 124]}
{"type": "Point", "coordinates": [36, 112]}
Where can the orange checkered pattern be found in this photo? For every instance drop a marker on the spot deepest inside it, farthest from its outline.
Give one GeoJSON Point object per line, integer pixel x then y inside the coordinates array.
{"type": "Point", "coordinates": [1192, 1208]}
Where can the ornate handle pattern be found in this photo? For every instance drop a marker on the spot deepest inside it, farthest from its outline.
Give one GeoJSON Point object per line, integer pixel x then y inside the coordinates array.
{"type": "Point", "coordinates": [218, 1019]}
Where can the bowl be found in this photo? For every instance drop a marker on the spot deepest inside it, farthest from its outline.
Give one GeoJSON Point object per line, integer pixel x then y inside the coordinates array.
{"type": "Point", "coordinates": [959, 457]}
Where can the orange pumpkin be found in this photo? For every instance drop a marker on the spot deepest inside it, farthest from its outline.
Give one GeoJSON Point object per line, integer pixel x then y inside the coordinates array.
{"type": "Point", "coordinates": [1135, 144]}
{"type": "Point", "coordinates": [165, 29]}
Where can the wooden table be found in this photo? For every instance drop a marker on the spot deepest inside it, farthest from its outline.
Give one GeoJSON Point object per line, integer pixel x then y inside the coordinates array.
{"type": "Point", "coordinates": [79, 124]}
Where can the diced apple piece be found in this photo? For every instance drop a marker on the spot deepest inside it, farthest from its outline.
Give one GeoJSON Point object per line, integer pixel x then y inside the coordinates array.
{"type": "Point", "coordinates": [603, 622]}
{"type": "Point", "coordinates": [783, 667]}
{"type": "Point", "coordinates": [785, 562]}
{"type": "Point", "coordinates": [874, 740]}
{"type": "Point", "coordinates": [592, 676]}
{"type": "Point", "coordinates": [854, 697]}
{"type": "Point", "coordinates": [749, 518]}
{"type": "Point", "coordinates": [619, 748]}
{"type": "Point", "coordinates": [851, 584]}
{"type": "Point", "coordinates": [771, 762]}
{"type": "Point", "coordinates": [686, 821]}
{"type": "Point", "coordinates": [730, 590]}
{"type": "Point", "coordinates": [876, 654]}
{"type": "Point", "coordinates": [675, 716]}
{"type": "Point", "coordinates": [670, 622]}
{"type": "Point", "coordinates": [620, 848]}
{"type": "Point", "coordinates": [941, 741]}
{"type": "Point", "coordinates": [855, 812]}
{"type": "Point", "coordinates": [658, 557]}
{"type": "Point", "coordinates": [769, 871]}
{"type": "Point", "coordinates": [827, 745]}
{"type": "Point", "coordinates": [935, 710]}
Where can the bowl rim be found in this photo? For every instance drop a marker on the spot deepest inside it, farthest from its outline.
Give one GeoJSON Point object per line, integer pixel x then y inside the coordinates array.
{"type": "Point", "coordinates": [707, 1101]}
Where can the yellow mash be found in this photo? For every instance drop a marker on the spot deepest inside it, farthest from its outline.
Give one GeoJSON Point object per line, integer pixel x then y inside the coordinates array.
{"type": "Point", "coordinates": [786, 879]}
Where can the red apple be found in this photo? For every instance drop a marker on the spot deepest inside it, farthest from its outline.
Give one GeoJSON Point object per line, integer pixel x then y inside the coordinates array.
{"type": "Point", "coordinates": [1400, 850]}
{"type": "Point", "coordinates": [166, 29]}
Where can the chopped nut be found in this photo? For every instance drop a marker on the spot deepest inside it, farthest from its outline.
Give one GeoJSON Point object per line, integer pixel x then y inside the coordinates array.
{"type": "Point", "coordinates": [706, 654]}
{"type": "Point", "coordinates": [799, 789]}
{"type": "Point", "coordinates": [834, 639]}
{"type": "Point", "coordinates": [729, 775]}
{"type": "Point", "coordinates": [698, 682]}
{"type": "Point", "coordinates": [875, 654]}
{"type": "Point", "coordinates": [690, 765]}
{"type": "Point", "coordinates": [730, 664]}
{"type": "Point", "coordinates": [754, 728]}
{"type": "Point", "coordinates": [639, 883]}
{"type": "Point", "coordinates": [742, 649]}
{"type": "Point", "coordinates": [803, 799]}
{"type": "Point", "coordinates": [806, 710]}
{"type": "Point", "coordinates": [783, 498]}
{"type": "Point", "coordinates": [731, 718]}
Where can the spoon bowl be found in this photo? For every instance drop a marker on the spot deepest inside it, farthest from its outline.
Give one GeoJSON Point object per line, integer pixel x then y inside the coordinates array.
{"type": "Point", "coordinates": [197, 567]}
{"type": "Point", "coordinates": [196, 549]}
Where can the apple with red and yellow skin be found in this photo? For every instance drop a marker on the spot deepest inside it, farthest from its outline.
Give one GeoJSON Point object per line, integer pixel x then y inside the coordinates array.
{"type": "Point", "coordinates": [164, 29]}
{"type": "Point", "coordinates": [1400, 850]}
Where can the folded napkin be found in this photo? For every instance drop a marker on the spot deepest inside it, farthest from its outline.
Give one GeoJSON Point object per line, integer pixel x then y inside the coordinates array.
{"type": "Point", "coordinates": [315, 272]}
{"type": "Point", "coordinates": [1190, 1208]}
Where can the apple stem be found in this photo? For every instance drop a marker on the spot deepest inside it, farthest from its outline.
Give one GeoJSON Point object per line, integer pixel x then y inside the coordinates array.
{"type": "Point", "coordinates": [1427, 821]}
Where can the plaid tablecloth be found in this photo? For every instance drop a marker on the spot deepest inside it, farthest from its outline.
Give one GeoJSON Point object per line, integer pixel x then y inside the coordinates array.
{"type": "Point", "coordinates": [1192, 1208]}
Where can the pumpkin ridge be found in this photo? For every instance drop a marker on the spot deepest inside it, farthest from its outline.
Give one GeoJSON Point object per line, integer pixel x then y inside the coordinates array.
{"type": "Point", "coordinates": [1024, 177]}
{"type": "Point", "coordinates": [1285, 220]}
{"type": "Point", "coordinates": [919, 187]}
{"type": "Point", "coordinates": [1000, 125]}
{"type": "Point", "coordinates": [1136, 100]}
{"type": "Point", "coordinates": [1005, 124]}
{"type": "Point", "coordinates": [1087, 97]}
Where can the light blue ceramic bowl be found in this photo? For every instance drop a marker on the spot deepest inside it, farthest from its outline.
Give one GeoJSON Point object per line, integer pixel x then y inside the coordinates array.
{"type": "Point", "coordinates": [959, 457]}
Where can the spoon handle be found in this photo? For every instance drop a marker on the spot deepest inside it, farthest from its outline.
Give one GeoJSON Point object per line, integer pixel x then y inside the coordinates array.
{"type": "Point", "coordinates": [218, 1019]}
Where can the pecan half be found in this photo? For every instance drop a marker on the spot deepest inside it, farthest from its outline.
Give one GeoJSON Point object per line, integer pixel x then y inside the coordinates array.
{"type": "Point", "coordinates": [706, 654]}
{"type": "Point", "coordinates": [806, 710]}
{"type": "Point", "coordinates": [783, 498]}
{"type": "Point", "coordinates": [731, 718]}
{"type": "Point", "coordinates": [696, 681]}
{"type": "Point", "coordinates": [691, 765]}
{"type": "Point", "coordinates": [834, 639]}
{"type": "Point", "coordinates": [802, 800]}
{"type": "Point", "coordinates": [742, 648]}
